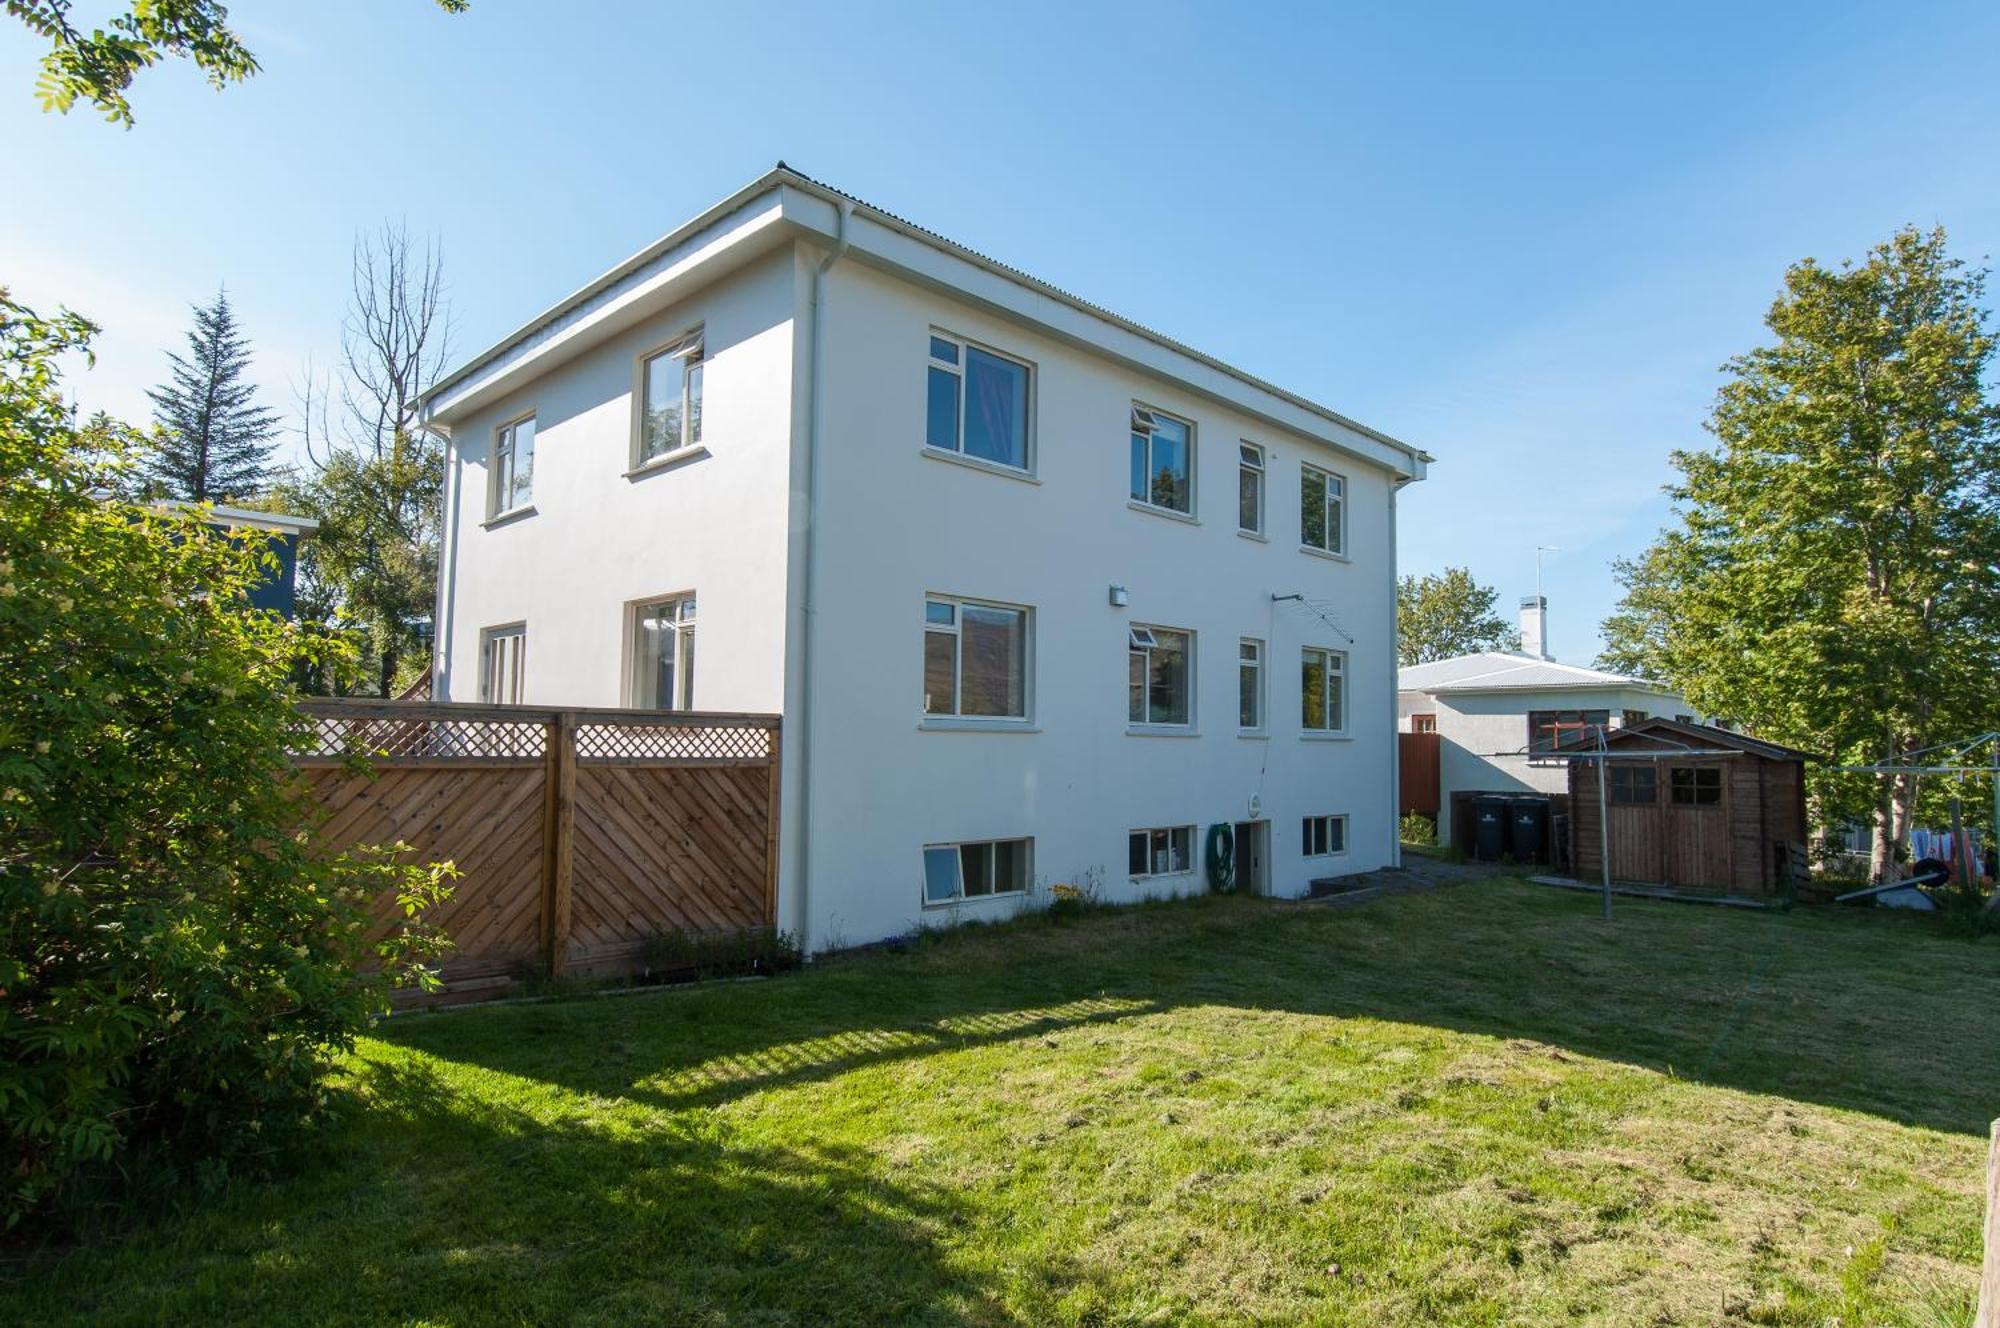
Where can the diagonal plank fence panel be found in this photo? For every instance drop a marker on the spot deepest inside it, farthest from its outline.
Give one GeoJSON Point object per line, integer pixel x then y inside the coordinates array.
{"type": "Point", "coordinates": [580, 835]}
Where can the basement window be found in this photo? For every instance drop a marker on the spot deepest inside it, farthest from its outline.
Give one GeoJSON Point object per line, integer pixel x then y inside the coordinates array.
{"type": "Point", "coordinates": [1168, 851]}
{"type": "Point", "coordinates": [954, 872]}
{"type": "Point", "coordinates": [1324, 836]}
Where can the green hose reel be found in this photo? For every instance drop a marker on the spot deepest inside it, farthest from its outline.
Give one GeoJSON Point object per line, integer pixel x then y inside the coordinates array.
{"type": "Point", "coordinates": [1222, 856]}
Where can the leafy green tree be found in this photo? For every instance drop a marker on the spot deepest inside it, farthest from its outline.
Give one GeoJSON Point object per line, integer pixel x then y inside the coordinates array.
{"type": "Point", "coordinates": [179, 966]}
{"type": "Point", "coordinates": [1833, 579]}
{"type": "Point", "coordinates": [1442, 614]}
{"type": "Point", "coordinates": [98, 66]}
{"type": "Point", "coordinates": [213, 442]}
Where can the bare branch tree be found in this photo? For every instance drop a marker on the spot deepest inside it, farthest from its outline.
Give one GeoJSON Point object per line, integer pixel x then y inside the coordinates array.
{"type": "Point", "coordinates": [396, 336]}
{"type": "Point", "coordinates": [376, 475]}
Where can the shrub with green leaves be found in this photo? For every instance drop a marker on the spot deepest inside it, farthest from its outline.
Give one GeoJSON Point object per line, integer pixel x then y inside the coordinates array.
{"type": "Point", "coordinates": [179, 966]}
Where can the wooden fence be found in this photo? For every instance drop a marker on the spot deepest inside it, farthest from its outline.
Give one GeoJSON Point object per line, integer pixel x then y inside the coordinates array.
{"type": "Point", "coordinates": [1417, 760]}
{"type": "Point", "coordinates": [579, 834]}
{"type": "Point", "coordinates": [1987, 1314]}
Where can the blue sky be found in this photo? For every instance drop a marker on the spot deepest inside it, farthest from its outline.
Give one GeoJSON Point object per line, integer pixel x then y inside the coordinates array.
{"type": "Point", "coordinates": [1523, 237]}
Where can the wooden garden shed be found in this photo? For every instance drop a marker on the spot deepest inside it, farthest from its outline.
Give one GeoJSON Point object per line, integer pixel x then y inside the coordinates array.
{"type": "Point", "coordinates": [1689, 806]}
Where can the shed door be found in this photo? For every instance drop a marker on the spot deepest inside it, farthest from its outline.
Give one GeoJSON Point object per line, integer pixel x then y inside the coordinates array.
{"type": "Point", "coordinates": [1634, 807]}
{"type": "Point", "coordinates": [1697, 826]}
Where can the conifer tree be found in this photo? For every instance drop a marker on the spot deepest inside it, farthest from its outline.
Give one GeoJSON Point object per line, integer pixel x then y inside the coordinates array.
{"type": "Point", "coordinates": [213, 442]}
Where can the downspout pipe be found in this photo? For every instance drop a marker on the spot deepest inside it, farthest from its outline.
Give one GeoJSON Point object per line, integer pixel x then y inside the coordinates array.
{"type": "Point", "coordinates": [815, 408]}
{"type": "Point", "coordinates": [447, 580]}
{"type": "Point", "coordinates": [1396, 484]}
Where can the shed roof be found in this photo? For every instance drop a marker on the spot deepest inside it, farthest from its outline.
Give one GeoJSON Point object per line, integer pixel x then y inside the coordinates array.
{"type": "Point", "coordinates": [1666, 734]}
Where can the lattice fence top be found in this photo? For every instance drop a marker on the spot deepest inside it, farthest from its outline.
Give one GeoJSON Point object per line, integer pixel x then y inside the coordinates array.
{"type": "Point", "coordinates": [424, 739]}
{"type": "Point", "coordinates": [444, 731]}
{"type": "Point", "coordinates": [680, 739]}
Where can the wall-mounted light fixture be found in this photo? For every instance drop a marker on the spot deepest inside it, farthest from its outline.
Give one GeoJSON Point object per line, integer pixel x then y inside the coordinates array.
{"type": "Point", "coordinates": [1120, 597]}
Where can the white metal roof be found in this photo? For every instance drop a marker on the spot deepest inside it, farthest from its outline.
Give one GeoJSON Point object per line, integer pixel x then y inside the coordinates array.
{"type": "Point", "coordinates": [1506, 670]}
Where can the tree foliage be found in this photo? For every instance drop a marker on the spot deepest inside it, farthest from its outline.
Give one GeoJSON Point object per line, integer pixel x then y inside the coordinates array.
{"type": "Point", "coordinates": [1833, 579]}
{"type": "Point", "coordinates": [1442, 614]}
{"type": "Point", "coordinates": [178, 964]}
{"type": "Point", "coordinates": [99, 66]}
{"type": "Point", "coordinates": [213, 442]}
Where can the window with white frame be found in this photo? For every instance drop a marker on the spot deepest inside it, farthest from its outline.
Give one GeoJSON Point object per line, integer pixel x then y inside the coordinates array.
{"type": "Point", "coordinates": [1322, 510]}
{"type": "Point", "coordinates": [663, 654]}
{"type": "Point", "coordinates": [513, 467]}
{"type": "Point", "coordinates": [670, 399]}
{"type": "Point", "coordinates": [1323, 690]}
{"type": "Point", "coordinates": [1160, 664]}
{"type": "Point", "coordinates": [1325, 835]}
{"type": "Point", "coordinates": [1250, 489]}
{"type": "Point", "coordinates": [975, 659]}
{"type": "Point", "coordinates": [1168, 851]}
{"type": "Point", "coordinates": [974, 871]}
{"type": "Point", "coordinates": [1162, 460]}
{"type": "Point", "coordinates": [1250, 684]}
{"type": "Point", "coordinates": [503, 662]}
{"type": "Point", "coordinates": [978, 402]}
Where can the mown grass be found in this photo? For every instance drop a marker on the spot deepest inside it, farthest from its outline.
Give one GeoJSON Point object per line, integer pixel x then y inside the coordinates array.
{"type": "Point", "coordinates": [1479, 1105]}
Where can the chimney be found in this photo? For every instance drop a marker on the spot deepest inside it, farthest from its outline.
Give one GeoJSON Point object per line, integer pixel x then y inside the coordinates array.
{"type": "Point", "coordinates": [1535, 626]}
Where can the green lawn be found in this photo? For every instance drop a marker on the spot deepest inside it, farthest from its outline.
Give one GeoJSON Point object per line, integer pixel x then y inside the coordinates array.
{"type": "Point", "coordinates": [1476, 1105]}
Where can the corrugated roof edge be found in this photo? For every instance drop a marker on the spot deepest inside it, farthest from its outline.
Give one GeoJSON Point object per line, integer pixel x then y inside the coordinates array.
{"type": "Point", "coordinates": [781, 173]}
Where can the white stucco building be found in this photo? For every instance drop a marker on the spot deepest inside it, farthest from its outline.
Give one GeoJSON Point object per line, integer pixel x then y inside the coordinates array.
{"type": "Point", "coordinates": [1041, 595]}
{"type": "Point", "coordinates": [1495, 709]}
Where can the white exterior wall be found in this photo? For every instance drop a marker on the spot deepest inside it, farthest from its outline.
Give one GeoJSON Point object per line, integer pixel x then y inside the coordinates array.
{"type": "Point", "coordinates": [893, 524]}
{"type": "Point", "coordinates": [1476, 728]}
{"type": "Point", "coordinates": [897, 523]}
{"type": "Point", "coordinates": [599, 541]}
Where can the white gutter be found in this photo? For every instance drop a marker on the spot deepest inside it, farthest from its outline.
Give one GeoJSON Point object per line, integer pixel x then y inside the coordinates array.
{"type": "Point", "coordinates": [809, 615]}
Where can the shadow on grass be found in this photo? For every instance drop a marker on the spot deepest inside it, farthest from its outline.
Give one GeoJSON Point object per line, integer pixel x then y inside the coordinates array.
{"type": "Point", "coordinates": [444, 1207]}
{"type": "Point", "coordinates": [565, 1162]}
{"type": "Point", "coordinates": [1829, 1006]}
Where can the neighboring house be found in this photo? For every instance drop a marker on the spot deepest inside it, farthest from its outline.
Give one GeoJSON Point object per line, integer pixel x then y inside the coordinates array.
{"type": "Point", "coordinates": [1041, 595]}
{"type": "Point", "coordinates": [1496, 711]}
{"type": "Point", "coordinates": [278, 590]}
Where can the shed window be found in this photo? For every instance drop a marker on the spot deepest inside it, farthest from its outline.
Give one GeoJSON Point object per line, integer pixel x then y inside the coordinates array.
{"type": "Point", "coordinates": [1635, 785]}
{"type": "Point", "coordinates": [1695, 786]}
